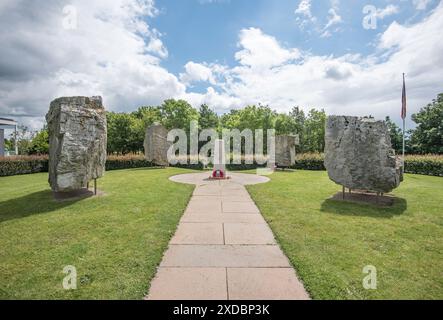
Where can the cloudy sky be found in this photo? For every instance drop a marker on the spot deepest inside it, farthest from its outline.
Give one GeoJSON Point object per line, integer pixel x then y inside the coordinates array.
{"type": "Point", "coordinates": [340, 55]}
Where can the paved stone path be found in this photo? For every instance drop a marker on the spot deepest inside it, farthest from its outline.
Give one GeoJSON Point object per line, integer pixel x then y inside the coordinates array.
{"type": "Point", "coordinates": [223, 248]}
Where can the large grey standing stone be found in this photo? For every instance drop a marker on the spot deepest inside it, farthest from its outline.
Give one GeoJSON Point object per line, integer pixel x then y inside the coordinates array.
{"type": "Point", "coordinates": [359, 155]}
{"type": "Point", "coordinates": [285, 150]}
{"type": "Point", "coordinates": [156, 145]}
{"type": "Point", "coordinates": [77, 142]}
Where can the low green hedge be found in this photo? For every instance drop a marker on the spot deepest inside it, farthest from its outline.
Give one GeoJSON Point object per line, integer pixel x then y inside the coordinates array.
{"type": "Point", "coordinates": [431, 165]}
{"type": "Point", "coordinates": [10, 166]}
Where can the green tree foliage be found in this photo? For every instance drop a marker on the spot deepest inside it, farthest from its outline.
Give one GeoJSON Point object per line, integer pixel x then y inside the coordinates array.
{"type": "Point", "coordinates": [40, 142]}
{"type": "Point", "coordinates": [24, 136]}
{"type": "Point", "coordinates": [313, 137]}
{"type": "Point", "coordinates": [177, 114]}
{"type": "Point", "coordinates": [148, 115]}
{"type": "Point", "coordinates": [208, 119]}
{"type": "Point", "coordinates": [125, 133]}
{"type": "Point", "coordinates": [396, 136]}
{"type": "Point", "coordinates": [428, 135]}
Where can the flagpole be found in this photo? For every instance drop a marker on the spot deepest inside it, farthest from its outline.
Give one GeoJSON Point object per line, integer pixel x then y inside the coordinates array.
{"type": "Point", "coordinates": [404, 147]}
{"type": "Point", "coordinates": [404, 126]}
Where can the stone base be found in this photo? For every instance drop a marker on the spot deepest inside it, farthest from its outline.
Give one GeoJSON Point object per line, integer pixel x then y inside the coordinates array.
{"type": "Point", "coordinates": [221, 178]}
{"type": "Point", "coordinates": [365, 198]}
{"type": "Point", "coordinates": [76, 195]}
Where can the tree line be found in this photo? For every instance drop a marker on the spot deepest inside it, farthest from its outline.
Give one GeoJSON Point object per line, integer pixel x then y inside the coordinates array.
{"type": "Point", "coordinates": [126, 131]}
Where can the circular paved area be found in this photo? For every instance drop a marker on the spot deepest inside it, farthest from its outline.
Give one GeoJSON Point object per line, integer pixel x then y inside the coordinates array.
{"type": "Point", "coordinates": [203, 178]}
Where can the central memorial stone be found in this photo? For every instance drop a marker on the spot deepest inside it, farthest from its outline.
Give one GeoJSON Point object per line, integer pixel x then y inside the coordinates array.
{"type": "Point", "coordinates": [219, 160]}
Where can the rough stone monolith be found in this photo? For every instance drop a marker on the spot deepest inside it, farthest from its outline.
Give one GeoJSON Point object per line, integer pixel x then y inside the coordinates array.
{"type": "Point", "coordinates": [359, 155]}
{"type": "Point", "coordinates": [77, 142]}
{"type": "Point", "coordinates": [285, 150]}
{"type": "Point", "coordinates": [156, 145]}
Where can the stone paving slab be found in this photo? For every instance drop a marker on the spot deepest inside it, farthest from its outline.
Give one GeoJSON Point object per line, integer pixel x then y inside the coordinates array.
{"type": "Point", "coordinates": [223, 248]}
{"type": "Point", "coordinates": [213, 205]}
{"type": "Point", "coordinates": [259, 256]}
{"type": "Point", "coordinates": [246, 233]}
{"type": "Point", "coordinates": [264, 284]}
{"type": "Point", "coordinates": [199, 233]}
{"type": "Point", "coordinates": [223, 218]}
{"type": "Point", "coordinates": [189, 284]}
{"type": "Point", "coordinates": [239, 207]}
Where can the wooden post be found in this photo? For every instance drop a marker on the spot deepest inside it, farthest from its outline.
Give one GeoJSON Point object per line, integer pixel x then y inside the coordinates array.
{"type": "Point", "coordinates": [95, 186]}
{"type": "Point", "coordinates": [350, 191]}
{"type": "Point", "coordinates": [378, 194]}
{"type": "Point", "coordinates": [344, 190]}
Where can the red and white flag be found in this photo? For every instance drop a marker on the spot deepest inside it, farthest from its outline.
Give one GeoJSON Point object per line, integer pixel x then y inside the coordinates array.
{"type": "Point", "coordinates": [403, 100]}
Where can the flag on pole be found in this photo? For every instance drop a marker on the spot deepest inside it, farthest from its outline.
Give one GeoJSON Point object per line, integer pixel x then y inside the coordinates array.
{"type": "Point", "coordinates": [403, 100]}
{"type": "Point", "coordinates": [403, 116]}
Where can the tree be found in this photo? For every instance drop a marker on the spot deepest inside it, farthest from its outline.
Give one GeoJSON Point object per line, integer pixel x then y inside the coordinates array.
{"type": "Point", "coordinates": [148, 115]}
{"type": "Point", "coordinates": [177, 114]}
{"type": "Point", "coordinates": [40, 142]}
{"type": "Point", "coordinates": [125, 133]}
{"type": "Point", "coordinates": [285, 124]}
{"type": "Point", "coordinates": [314, 131]}
{"type": "Point", "coordinates": [24, 137]}
{"type": "Point", "coordinates": [208, 119]}
{"type": "Point", "coordinates": [396, 136]}
{"type": "Point", "coordinates": [428, 135]}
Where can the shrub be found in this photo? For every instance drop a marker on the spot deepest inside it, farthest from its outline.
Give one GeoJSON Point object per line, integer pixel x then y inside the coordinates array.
{"type": "Point", "coordinates": [10, 166]}
{"type": "Point", "coordinates": [431, 165]}
{"type": "Point", "coordinates": [417, 164]}
{"type": "Point", "coordinates": [126, 162]}
{"type": "Point", "coordinates": [310, 161]}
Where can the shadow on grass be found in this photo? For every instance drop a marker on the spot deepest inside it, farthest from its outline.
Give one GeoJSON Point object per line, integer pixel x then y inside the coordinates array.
{"type": "Point", "coordinates": [364, 210]}
{"type": "Point", "coordinates": [31, 204]}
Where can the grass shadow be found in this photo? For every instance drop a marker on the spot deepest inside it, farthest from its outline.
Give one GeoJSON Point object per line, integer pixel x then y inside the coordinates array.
{"type": "Point", "coordinates": [31, 204]}
{"type": "Point", "coordinates": [364, 210]}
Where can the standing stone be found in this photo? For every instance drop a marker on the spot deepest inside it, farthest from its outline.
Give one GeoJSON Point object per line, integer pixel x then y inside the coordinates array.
{"type": "Point", "coordinates": [285, 150]}
{"type": "Point", "coordinates": [359, 155]}
{"type": "Point", "coordinates": [156, 145]}
{"type": "Point", "coordinates": [77, 142]}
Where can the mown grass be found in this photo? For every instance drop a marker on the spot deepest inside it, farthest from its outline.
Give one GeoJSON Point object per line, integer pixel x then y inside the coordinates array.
{"type": "Point", "coordinates": [329, 242]}
{"type": "Point", "coordinates": [115, 241]}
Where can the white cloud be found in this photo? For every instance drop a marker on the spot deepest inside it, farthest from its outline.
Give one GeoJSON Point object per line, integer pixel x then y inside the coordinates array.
{"type": "Point", "coordinates": [387, 11]}
{"type": "Point", "coordinates": [421, 4]}
{"type": "Point", "coordinates": [113, 52]}
{"type": "Point", "coordinates": [260, 51]}
{"type": "Point", "coordinates": [350, 84]}
{"type": "Point", "coordinates": [304, 8]}
{"type": "Point", "coordinates": [195, 72]}
{"type": "Point", "coordinates": [305, 18]}
{"type": "Point", "coordinates": [333, 18]}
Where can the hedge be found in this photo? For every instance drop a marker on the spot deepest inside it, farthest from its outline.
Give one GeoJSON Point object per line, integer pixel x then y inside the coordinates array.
{"type": "Point", "coordinates": [10, 166]}
{"type": "Point", "coordinates": [418, 164]}
{"type": "Point", "coordinates": [430, 165]}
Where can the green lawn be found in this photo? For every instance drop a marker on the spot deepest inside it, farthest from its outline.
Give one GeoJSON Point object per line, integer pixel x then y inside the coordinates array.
{"type": "Point", "coordinates": [114, 241]}
{"type": "Point", "coordinates": [117, 240]}
{"type": "Point", "coordinates": [329, 242]}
